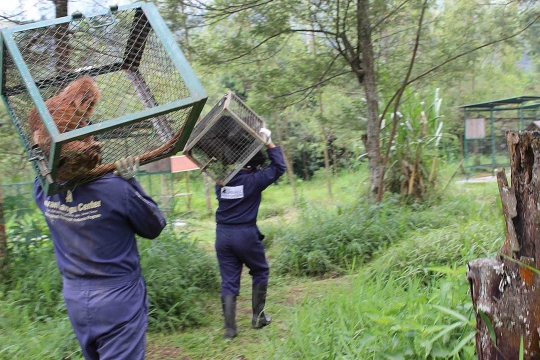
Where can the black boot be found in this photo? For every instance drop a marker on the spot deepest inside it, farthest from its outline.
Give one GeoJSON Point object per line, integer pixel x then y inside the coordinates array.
{"type": "Point", "coordinates": [258, 300]}
{"type": "Point", "coordinates": [229, 313]}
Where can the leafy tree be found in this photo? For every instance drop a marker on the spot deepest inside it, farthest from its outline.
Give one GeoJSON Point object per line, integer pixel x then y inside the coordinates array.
{"type": "Point", "coordinates": [381, 45]}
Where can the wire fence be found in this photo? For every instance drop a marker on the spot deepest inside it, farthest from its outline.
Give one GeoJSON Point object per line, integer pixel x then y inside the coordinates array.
{"type": "Point", "coordinates": [167, 189]}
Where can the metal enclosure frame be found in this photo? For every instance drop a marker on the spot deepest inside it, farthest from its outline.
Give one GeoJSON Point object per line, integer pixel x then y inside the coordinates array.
{"type": "Point", "coordinates": [490, 151]}
{"type": "Point", "coordinates": [196, 100]}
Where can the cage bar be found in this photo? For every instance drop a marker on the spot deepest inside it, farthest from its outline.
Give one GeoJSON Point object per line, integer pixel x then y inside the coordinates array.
{"type": "Point", "coordinates": [148, 97]}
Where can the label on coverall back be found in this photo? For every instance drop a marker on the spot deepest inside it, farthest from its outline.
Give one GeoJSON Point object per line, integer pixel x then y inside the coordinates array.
{"type": "Point", "coordinates": [232, 192]}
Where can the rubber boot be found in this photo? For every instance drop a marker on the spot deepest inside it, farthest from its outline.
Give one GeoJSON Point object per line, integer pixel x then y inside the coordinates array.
{"type": "Point", "coordinates": [229, 313]}
{"type": "Point", "coordinates": [258, 300]}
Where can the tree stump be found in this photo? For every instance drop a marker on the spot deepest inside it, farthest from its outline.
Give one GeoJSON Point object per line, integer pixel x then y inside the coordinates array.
{"type": "Point", "coordinates": [506, 291]}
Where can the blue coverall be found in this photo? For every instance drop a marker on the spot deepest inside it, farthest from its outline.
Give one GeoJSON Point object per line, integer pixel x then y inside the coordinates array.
{"type": "Point", "coordinates": [238, 240]}
{"type": "Point", "coordinates": [93, 230]}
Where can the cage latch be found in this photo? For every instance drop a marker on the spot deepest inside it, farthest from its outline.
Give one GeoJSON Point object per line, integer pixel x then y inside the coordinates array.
{"type": "Point", "coordinates": [39, 158]}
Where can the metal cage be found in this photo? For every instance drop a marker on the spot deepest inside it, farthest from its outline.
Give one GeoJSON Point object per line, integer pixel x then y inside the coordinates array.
{"type": "Point", "coordinates": [84, 91]}
{"type": "Point", "coordinates": [485, 126]}
{"type": "Point", "coordinates": [225, 139]}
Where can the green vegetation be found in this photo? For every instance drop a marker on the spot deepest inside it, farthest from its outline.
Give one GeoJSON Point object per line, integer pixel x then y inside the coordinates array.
{"type": "Point", "coordinates": [350, 279]}
{"type": "Point", "coordinates": [179, 276]}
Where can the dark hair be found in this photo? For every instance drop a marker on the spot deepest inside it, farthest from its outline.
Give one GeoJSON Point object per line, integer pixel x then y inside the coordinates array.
{"type": "Point", "coordinates": [258, 159]}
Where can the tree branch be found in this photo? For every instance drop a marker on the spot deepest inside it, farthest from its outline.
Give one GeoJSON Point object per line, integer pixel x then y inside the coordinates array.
{"type": "Point", "coordinates": [390, 14]}
{"type": "Point", "coordinates": [322, 80]}
{"type": "Point", "coordinates": [416, 78]}
{"type": "Point", "coordinates": [398, 98]}
{"type": "Point", "coordinates": [475, 49]}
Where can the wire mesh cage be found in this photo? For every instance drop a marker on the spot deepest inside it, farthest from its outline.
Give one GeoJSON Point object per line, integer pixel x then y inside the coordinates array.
{"type": "Point", "coordinates": [225, 139]}
{"type": "Point", "coordinates": [84, 91]}
{"type": "Point", "coordinates": [485, 126]}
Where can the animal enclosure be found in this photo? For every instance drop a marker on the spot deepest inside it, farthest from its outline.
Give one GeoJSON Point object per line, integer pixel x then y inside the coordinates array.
{"type": "Point", "coordinates": [485, 125]}
{"type": "Point", "coordinates": [225, 139]}
{"type": "Point", "coordinates": [84, 91]}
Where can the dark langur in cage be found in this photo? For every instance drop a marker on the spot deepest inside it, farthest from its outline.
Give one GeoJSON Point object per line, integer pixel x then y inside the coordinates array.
{"type": "Point", "coordinates": [70, 110]}
{"type": "Point", "coordinates": [226, 141]}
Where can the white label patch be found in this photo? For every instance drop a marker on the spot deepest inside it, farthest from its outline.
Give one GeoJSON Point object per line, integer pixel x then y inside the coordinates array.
{"type": "Point", "coordinates": [232, 192]}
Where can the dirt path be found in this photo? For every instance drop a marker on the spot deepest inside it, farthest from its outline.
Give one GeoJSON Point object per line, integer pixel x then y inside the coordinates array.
{"type": "Point", "coordinates": [206, 342]}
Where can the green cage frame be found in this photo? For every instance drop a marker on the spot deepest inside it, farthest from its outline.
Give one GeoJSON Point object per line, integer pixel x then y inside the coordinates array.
{"type": "Point", "coordinates": [491, 111]}
{"type": "Point", "coordinates": [196, 100]}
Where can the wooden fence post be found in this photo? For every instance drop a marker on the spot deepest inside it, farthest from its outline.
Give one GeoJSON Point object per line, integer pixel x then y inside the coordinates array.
{"type": "Point", "coordinates": [207, 191]}
{"type": "Point", "coordinates": [506, 291]}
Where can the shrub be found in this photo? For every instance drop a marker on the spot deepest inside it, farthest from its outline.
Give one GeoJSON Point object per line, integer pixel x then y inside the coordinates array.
{"type": "Point", "coordinates": [450, 246]}
{"type": "Point", "coordinates": [178, 274]}
{"type": "Point", "coordinates": [34, 282]}
{"type": "Point", "coordinates": [332, 240]}
{"type": "Point", "coordinates": [417, 146]}
{"type": "Point", "coordinates": [327, 241]}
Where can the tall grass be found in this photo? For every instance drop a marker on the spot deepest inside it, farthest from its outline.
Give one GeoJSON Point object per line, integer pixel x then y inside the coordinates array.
{"type": "Point", "coordinates": [411, 300]}
{"type": "Point", "coordinates": [326, 240]}
{"type": "Point", "coordinates": [33, 320]}
{"type": "Point", "coordinates": [29, 339]}
{"type": "Point", "coordinates": [409, 303]}
{"type": "Point", "coordinates": [424, 252]}
{"type": "Point", "coordinates": [179, 276]}
{"type": "Point", "coordinates": [384, 319]}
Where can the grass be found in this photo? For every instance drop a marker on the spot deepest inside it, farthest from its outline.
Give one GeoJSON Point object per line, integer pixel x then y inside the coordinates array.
{"type": "Point", "coordinates": [207, 342]}
{"type": "Point", "coordinates": [409, 301]}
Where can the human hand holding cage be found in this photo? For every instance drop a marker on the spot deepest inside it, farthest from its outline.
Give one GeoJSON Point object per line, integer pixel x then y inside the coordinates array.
{"type": "Point", "coordinates": [265, 133]}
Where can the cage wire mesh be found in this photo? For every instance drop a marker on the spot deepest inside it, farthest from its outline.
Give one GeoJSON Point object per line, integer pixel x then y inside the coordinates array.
{"type": "Point", "coordinates": [485, 143]}
{"type": "Point", "coordinates": [225, 139]}
{"type": "Point", "coordinates": [84, 91]}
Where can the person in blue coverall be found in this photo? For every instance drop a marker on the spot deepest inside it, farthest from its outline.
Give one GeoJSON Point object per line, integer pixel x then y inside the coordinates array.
{"type": "Point", "coordinates": [238, 239]}
{"type": "Point", "coordinates": [93, 230]}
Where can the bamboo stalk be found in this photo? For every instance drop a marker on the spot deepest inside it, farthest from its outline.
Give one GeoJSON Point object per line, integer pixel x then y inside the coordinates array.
{"type": "Point", "coordinates": [432, 173]}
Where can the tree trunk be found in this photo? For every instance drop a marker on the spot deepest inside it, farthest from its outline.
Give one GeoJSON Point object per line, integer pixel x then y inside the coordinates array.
{"type": "Point", "coordinates": [506, 290]}
{"type": "Point", "coordinates": [61, 8]}
{"type": "Point", "coordinates": [327, 168]}
{"type": "Point", "coordinates": [62, 37]}
{"type": "Point", "coordinates": [207, 190]}
{"type": "Point", "coordinates": [366, 77]}
{"type": "Point", "coordinates": [326, 153]}
{"type": "Point", "coordinates": [335, 164]}
{"type": "Point", "coordinates": [321, 122]}
{"type": "Point", "coordinates": [186, 31]}
{"type": "Point", "coordinates": [290, 171]}
{"type": "Point", "coordinates": [188, 191]}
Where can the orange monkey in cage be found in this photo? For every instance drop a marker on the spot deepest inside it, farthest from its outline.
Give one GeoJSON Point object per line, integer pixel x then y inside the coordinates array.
{"type": "Point", "coordinates": [70, 110]}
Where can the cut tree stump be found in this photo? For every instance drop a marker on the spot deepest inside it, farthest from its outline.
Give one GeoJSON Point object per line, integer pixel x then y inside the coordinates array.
{"type": "Point", "coordinates": [506, 290]}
